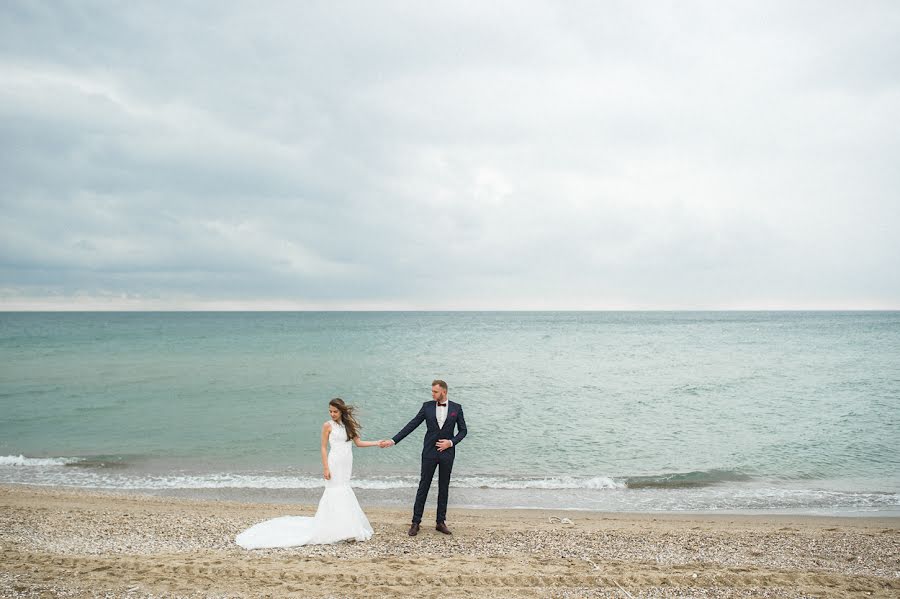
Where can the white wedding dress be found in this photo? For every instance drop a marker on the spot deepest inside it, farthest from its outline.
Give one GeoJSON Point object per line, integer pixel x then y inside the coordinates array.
{"type": "Point", "coordinates": [338, 517]}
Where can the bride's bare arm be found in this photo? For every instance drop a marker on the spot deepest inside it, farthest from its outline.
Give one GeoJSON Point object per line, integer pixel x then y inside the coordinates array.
{"type": "Point", "coordinates": [360, 443]}
{"type": "Point", "coordinates": [326, 429]}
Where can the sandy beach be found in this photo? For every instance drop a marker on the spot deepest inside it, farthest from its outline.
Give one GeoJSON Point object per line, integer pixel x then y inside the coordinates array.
{"type": "Point", "coordinates": [65, 543]}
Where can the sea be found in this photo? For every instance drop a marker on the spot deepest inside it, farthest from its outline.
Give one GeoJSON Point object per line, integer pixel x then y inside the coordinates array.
{"type": "Point", "coordinates": [721, 412]}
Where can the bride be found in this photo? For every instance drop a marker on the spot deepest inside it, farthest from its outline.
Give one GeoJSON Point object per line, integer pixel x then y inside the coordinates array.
{"type": "Point", "coordinates": [339, 516]}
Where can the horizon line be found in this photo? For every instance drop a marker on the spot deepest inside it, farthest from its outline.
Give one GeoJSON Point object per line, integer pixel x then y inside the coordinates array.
{"type": "Point", "coordinates": [396, 310]}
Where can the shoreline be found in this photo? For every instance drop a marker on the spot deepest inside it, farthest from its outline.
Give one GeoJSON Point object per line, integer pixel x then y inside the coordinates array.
{"type": "Point", "coordinates": [197, 496]}
{"type": "Point", "coordinates": [77, 543]}
{"type": "Point", "coordinates": [462, 498]}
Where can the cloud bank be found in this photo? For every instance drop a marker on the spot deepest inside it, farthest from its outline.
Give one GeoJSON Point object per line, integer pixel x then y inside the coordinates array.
{"type": "Point", "coordinates": [520, 155]}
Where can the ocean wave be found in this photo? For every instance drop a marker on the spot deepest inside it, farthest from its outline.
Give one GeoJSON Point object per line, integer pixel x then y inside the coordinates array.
{"type": "Point", "coordinates": [562, 482]}
{"type": "Point", "coordinates": [21, 460]}
{"type": "Point", "coordinates": [712, 491]}
{"type": "Point", "coordinates": [686, 480]}
{"type": "Point", "coordinates": [88, 472]}
{"type": "Point", "coordinates": [95, 477]}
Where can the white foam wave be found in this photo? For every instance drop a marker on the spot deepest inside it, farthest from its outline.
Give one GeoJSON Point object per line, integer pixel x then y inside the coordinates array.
{"type": "Point", "coordinates": [562, 482]}
{"type": "Point", "coordinates": [104, 479]}
{"type": "Point", "coordinates": [69, 477]}
{"type": "Point", "coordinates": [21, 460]}
{"type": "Point", "coordinates": [251, 481]}
{"type": "Point", "coordinates": [599, 492]}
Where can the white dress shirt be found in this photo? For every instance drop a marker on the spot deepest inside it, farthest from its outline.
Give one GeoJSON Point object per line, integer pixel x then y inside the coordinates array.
{"type": "Point", "coordinates": [441, 413]}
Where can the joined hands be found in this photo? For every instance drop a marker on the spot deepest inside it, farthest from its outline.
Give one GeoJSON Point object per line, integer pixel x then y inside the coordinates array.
{"type": "Point", "coordinates": [441, 445]}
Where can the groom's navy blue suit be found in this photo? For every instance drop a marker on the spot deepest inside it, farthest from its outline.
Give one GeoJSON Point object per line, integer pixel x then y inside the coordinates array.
{"type": "Point", "coordinates": [431, 457]}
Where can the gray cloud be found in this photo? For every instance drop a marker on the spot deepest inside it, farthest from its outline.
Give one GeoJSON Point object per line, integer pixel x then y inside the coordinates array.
{"type": "Point", "coordinates": [409, 155]}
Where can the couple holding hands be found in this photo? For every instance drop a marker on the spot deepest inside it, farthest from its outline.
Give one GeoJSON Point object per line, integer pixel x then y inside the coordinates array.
{"type": "Point", "coordinates": [339, 516]}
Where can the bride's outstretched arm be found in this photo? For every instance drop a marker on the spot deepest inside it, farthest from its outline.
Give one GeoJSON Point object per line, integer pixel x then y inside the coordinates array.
{"type": "Point", "coordinates": [360, 443]}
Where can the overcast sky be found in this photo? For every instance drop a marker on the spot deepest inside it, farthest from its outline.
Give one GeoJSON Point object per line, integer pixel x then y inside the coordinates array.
{"type": "Point", "coordinates": [449, 155]}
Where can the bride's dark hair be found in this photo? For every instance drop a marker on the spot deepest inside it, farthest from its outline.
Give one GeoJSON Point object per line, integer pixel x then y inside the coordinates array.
{"type": "Point", "coordinates": [350, 424]}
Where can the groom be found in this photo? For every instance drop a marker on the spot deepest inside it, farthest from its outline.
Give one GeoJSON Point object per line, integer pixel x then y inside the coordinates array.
{"type": "Point", "coordinates": [439, 449]}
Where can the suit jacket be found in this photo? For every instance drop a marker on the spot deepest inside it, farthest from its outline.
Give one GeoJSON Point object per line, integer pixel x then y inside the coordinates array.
{"type": "Point", "coordinates": [428, 413]}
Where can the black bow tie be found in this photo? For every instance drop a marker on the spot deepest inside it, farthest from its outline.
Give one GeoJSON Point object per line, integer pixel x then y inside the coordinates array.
{"type": "Point", "coordinates": [442, 404]}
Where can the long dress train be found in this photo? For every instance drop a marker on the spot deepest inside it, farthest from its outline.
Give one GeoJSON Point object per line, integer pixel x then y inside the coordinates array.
{"type": "Point", "coordinates": [337, 518]}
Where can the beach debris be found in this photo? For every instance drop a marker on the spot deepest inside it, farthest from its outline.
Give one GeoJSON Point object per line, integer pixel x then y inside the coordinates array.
{"type": "Point", "coordinates": [558, 520]}
{"type": "Point", "coordinates": [627, 594]}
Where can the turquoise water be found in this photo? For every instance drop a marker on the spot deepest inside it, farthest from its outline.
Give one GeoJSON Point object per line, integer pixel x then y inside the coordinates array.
{"type": "Point", "coordinates": [640, 411]}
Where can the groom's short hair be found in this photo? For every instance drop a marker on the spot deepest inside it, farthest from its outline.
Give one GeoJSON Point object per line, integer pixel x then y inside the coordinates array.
{"type": "Point", "coordinates": [439, 382]}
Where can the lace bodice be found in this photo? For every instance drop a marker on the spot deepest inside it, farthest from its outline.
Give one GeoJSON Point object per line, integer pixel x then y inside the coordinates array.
{"type": "Point", "coordinates": [337, 438]}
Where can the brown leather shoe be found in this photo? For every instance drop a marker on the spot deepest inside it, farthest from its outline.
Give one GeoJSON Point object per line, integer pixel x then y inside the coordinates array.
{"type": "Point", "coordinates": [441, 527]}
{"type": "Point", "coordinates": [414, 529]}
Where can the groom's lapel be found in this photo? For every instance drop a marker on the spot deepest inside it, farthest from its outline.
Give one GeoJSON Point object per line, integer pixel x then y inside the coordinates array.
{"type": "Point", "coordinates": [449, 411]}
{"type": "Point", "coordinates": [431, 412]}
